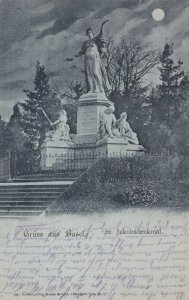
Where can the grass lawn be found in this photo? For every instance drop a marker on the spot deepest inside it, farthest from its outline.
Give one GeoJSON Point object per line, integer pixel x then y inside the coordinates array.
{"type": "Point", "coordinates": [114, 184]}
{"type": "Point", "coordinates": [101, 197]}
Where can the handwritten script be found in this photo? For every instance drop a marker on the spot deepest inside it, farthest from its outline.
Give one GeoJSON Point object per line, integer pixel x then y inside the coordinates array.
{"type": "Point", "coordinates": [103, 259]}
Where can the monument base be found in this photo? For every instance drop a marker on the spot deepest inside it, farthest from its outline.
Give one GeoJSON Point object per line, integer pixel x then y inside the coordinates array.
{"type": "Point", "coordinates": [85, 148]}
{"type": "Point", "coordinates": [91, 106]}
{"type": "Point", "coordinates": [53, 153]}
{"type": "Point", "coordinates": [116, 147]}
{"type": "Point", "coordinates": [65, 155]}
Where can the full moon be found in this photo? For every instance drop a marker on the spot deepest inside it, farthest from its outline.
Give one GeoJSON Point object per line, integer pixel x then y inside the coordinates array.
{"type": "Point", "coordinates": [158, 14]}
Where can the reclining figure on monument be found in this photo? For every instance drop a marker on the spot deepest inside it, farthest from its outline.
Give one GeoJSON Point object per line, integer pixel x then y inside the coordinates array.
{"type": "Point", "coordinates": [93, 51]}
{"type": "Point", "coordinates": [62, 129]}
{"type": "Point", "coordinates": [112, 128]}
{"type": "Point", "coordinates": [125, 129]}
{"type": "Point", "coordinates": [107, 125]}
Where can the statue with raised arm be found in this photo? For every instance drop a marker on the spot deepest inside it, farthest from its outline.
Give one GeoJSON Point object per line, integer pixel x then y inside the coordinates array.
{"type": "Point", "coordinates": [93, 51]}
{"type": "Point", "coordinates": [62, 129]}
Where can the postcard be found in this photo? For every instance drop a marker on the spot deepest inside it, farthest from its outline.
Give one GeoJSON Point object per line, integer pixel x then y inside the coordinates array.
{"type": "Point", "coordinates": [94, 150]}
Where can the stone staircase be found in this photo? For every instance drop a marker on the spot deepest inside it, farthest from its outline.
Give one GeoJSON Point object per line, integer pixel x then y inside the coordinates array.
{"type": "Point", "coordinates": [48, 176]}
{"type": "Point", "coordinates": [30, 198]}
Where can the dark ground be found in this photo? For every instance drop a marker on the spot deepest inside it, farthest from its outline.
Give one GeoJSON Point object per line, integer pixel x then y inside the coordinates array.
{"type": "Point", "coordinates": [102, 197]}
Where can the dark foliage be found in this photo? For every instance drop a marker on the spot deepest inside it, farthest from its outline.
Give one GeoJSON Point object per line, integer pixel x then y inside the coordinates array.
{"type": "Point", "coordinates": [145, 167]}
{"type": "Point", "coordinates": [27, 125]}
{"type": "Point", "coordinates": [33, 122]}
{"type": "Point", "coordinates": [137, 196]}
{"type": "Point", "coordinates": [3, 138]}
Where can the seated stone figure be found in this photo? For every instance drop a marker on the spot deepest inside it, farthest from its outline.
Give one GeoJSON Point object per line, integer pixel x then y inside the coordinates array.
{"type": "Point", "coordinates": [62, 129]}
{"type": "Point", "coordinates": [107, 125]}
{"type": "Point", "coordinates": [125, 129]}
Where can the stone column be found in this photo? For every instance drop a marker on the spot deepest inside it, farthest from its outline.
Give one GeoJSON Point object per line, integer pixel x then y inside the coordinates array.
{"type": "Point", "coordinates": [88, 114]}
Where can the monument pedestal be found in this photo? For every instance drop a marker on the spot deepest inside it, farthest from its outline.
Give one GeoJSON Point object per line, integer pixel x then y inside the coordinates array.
{"type": "Point", "coordinates": [91, 105]}
{"type": "Point", "coordinates": [85, 146]}
{"type": "Point", "coordinates": [117, 147]}
{"type": "Point", "coordinates": [53, 152]}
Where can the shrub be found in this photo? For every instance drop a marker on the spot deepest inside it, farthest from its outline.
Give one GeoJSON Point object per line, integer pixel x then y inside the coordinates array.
{"type": "Point", "coordinates": [142, 196]}
{"type": "Point", "coordinates": [137, 196]}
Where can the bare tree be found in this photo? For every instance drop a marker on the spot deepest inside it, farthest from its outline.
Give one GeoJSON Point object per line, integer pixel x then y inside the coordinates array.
{"type": "Point", "coordinates": [128, 63]}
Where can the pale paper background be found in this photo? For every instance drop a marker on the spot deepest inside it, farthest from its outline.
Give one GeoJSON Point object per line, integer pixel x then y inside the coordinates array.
{"type": "Point", "coordinates": [98, 266]}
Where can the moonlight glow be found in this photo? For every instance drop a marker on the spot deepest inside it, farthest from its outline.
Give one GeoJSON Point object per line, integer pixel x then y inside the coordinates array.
{"type": "Point", "coordinates": [158, 14]}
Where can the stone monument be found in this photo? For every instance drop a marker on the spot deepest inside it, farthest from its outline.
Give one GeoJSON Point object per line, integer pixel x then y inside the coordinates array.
{"type": "Point", "coordinates": [57, 141]}
{"type": "Point", "coordinates": [96, 124]}
{"type": "Point", "coordinates": [97, 128]}
{"type": "Point", "coordinates": [92, 104]}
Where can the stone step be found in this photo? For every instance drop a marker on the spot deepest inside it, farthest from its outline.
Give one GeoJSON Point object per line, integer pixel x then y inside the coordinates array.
{"type": "Point", "coordinates": [38, 183]}
{"type": "Point", "coordinates": [22, 207]}
{"type": "Point", "coordinates": [42, 179]}
{"type": "Point", "coordinates": [20, 212]}
{"type": "Point", "coordinates": [24, 191]}
{"type": "Point", "coordinates": [27, 199]}
{"type": "Point", "coordinates": [25, 203]}
{"type": "Point", "coordinates": [68, 174]}
{"type": "Point", "coordinates": [28, 196]}
{"type": "Point", "coordinates": [33, 189]}
{"type": "Point", "coordinates": [14, 217]}
{"type": "Point", "coordinates": [31, 193]}
{"type": "Point", "coordinates": [50, 173]}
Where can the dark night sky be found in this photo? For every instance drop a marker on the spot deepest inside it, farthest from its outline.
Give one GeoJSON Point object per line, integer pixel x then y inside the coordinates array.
{"type": "Point", "coordinates": [51, 30]}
